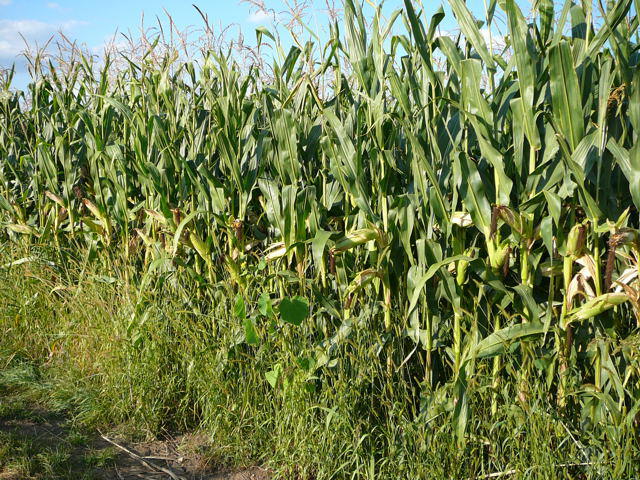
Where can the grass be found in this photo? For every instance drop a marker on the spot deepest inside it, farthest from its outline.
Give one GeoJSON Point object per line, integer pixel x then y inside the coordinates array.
{"type": "Point", "coordinates": [396, 255]}
{"type": "Point", "coordinates": [156, 378]}
{"type": "Point", "coordinates": [25, 459]}
{"type": "Point", "coordinates": [37, 443]}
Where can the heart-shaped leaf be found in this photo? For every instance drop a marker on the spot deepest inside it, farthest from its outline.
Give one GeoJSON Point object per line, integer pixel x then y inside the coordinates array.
{"type": "Point", "coordinates": [239, 308]}
{"type": "Point", "coordinates": [273, 375]}
{"type": "Point", "coordinates": [294, 310]}
{"type": "Point", "coordinates": [250, 333]}
{"type": "Point", "coordinates": [265, 306]}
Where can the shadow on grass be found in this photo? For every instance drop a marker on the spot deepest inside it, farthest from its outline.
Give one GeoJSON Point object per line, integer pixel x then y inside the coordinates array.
{"type": "Point", "coordinates": [41, 443]}
{"type": "Point", "coordinates": [37, 443]}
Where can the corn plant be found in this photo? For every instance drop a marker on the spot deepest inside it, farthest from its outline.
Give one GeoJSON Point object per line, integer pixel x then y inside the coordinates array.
{"type": "Point", "coordinates": [474, 203]}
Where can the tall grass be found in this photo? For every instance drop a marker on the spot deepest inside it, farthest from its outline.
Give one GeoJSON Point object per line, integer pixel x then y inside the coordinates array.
{"type": "Point", "coordinates": [410, 228]}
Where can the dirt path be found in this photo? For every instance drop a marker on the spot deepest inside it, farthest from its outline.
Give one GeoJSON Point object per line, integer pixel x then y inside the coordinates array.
{"type": "Point", "coordinates": [36, 444]}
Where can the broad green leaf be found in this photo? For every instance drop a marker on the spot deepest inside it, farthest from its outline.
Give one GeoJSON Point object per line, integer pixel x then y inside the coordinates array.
{"type": "Point", "coordinates": [481, 118]}
{"type": "Point", "coordinates": [239, 308]}
{"type": "Point", "coordinates": [273, 375]}
{"type": "Point", "coordinates": [472, 190]}
{"type": "Point", "coordinates": [433, 269]}
{"type": "Point", "coordinates": [611, 21]}
{"type": "Point", "coordinates": [178, 234]}
{"type": "Point", "coordinates": [545, 8]}
{"type": "Point", "coordinates": [565, 94]}
{"type": "Point", "coordinates": [263, 31]}
{"type": "Point", "coordinates": [250, 334]}
{"type": "Point", "coordinates": [470, 29]}
{"type": "Point", "coordinates": [496, 343]}
{"type": "Point", "coordinates": [440, 204]}
{"type": "Point", "coordinates": [629, 162]}
{"type": "Point", "coordinates": [294, 310]}
{"type": "Point", "coordinates": [418, 31]}
{"type": "Point", "coordinates": [526, 70]}
{"type": "Point", "coordinates": [526, 294]}
{"type": "Point", "coordinates": [265, 306]}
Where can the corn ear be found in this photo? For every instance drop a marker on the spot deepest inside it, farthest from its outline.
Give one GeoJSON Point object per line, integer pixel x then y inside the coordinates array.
{"type": "Point", "coordinates": [355, 238]}
{"type": "Point", "coordinates": [594, 307]}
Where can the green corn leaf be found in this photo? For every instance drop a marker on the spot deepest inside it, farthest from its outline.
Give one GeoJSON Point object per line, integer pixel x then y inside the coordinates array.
{"type": "Point", "coordinates": [472, 190]}
{"type": "Point", "coordinates": [497, 342]}
{"type": "Point", "coordinates": [178, 235]}
{"type": "Point", "coordinates": [451, 52]}
{"type": "Point", "coordinates": [481, 117]}
{"type": "Point", "coordinates": [318, 246]}
{"type": "Point", "coordinates": [565, 94]}
{"type": "Point", "coordinates": [525, 64]}
{"type": "Point", "coordinates": [472, 32]}
{"type": "Point", "coordinates": [526, 294]}
{"type": "Point", "coordinates": [629, 162]}
{"type": "Point", "coordinates": [433, 269]}
{"type": "Point", "coordinates": [418, 31]}
{"type": "Point", "coordinates": [613, 18]}
{"type": "Point", "coordinates": [545, 8]}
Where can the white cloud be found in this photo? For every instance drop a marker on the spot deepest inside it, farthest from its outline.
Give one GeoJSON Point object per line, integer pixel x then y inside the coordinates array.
{"type": "Point", "coordinates": [54, 6]}
{"type": "Point", "coordinates": [4, 3]}
{"type": "Point", "coordinates": [14, 33]}
{"type": "Point", "coordinates": [259, 16]}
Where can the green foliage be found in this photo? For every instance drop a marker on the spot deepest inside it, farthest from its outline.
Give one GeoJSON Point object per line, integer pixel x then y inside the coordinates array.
{"type": "Point", "coordinates": [412, 203]}
{"type": "Point", "coordinates": [294, 310]}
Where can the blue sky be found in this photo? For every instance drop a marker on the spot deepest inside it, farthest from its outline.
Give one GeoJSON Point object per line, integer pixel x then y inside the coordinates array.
{"type": "Point", "coordinates": [93, 22]}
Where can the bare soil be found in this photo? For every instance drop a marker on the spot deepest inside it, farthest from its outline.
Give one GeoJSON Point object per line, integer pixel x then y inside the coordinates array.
{"type": "Point", "coordinates": [181, 456]}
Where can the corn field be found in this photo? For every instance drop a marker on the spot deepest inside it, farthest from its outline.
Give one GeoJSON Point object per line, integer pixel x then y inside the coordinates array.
{"type": "Point", "coordinates": [473, 208]}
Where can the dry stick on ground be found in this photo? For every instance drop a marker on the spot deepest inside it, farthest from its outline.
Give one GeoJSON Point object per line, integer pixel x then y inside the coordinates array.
{"type": "Point", "coordinates": [144, 462]}
{"type": "Point", "coordinates": [514, 471]}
